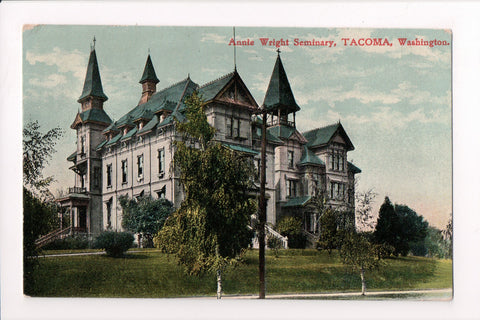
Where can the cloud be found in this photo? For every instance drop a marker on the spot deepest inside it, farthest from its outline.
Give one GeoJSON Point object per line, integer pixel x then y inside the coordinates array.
{"type": "Point", "coordinates": [65, 61]}
{"type": "Point", "coordinates": [213, 37]}
{"type": "Point", "coordinates": [51, 81]}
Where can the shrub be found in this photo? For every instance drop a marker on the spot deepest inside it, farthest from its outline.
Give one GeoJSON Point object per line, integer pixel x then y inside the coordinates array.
{"type": "Point", "coordinates": [291, 227]}
{"type": "Point", "coordinates": [274, 243]}
{"type": "Point", "coordinates": [114, 243]}
{"type": "Point", "coordinates": [69, 243]}
{"type": "Point", "coordinates": [383, 250]}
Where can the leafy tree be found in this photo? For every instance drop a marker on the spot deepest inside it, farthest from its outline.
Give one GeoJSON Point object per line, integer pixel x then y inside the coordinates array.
{"type": "Point", "coordinates": [329, 232]}
{"type": "Point", "coordinates": [210, 229]}
{"type": "Point", "coordinates": [144, 216]}
{"type": "Point", "coordinates": [358, 253]}
{"type": "Point", "coordinates": [400, 227]}
{"type": "Point", "coordinates": [364, 215]}
{"type": "Point", "coordinates": [37, 151]}
{"type": "Point", "coordinates": [291, 227]}
{"type": "Point", "coordinates": [39, 213]}
{"type": "Point", "coordinates": [448, 236]}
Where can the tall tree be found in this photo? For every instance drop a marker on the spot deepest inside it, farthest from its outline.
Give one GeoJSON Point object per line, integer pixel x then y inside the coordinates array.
{"type": "Point", "coordinates": [144, 216]}
{"type": "Point", "coordinates": [358, 253]}
{"type": "Point", "coordinates": [210, 229]}
{"type": "Point", "coordinates": [364, 211]}
{"type": "Point", "coordinates": [400, 227]}
{"type": "Point", "coordinates": [39, 212]}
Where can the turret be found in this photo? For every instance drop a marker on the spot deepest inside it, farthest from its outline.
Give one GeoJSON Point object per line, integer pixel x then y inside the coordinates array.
{"type": "Point", "coordinates": [149, 81]}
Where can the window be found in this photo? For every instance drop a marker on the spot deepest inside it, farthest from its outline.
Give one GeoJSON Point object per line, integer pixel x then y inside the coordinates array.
{"type": "Point", "coordinates": [337, 190]}
{"type": "Point", "coordinates": [82, 145]}
{"type": "Point", "coordinates": [109, 213]}
{"type": "Point", "coordinates": [96, 177]}
{"type": "Point", "coordinates": [229, 126]}
{"type": "Point", "coordinates": [236, 128]}
{"type": "Point", "coordinates": [109, 175]}
{"type": "Point", "coordinates": [162, 193]}
{"type": "Point", "coordinates": [290, 159]}
{"type": "Point", "coordinates": [337, 161]}
{"type": "Point", "coordinates": [291, 188]}
{"type": "Point", "coordinates": [124, 171]}
{"type": "Point", "coordinates": [161, 161]}
{"type": "Point", "coordinates": [140, 166]}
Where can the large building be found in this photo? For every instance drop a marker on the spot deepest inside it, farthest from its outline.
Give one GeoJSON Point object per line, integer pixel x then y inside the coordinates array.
{"type": "Point", "coordinates": [134, 155]}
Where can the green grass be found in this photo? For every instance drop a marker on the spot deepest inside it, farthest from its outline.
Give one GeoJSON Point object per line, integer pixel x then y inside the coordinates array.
{"type": "Point", "coordinates": [150, 273]}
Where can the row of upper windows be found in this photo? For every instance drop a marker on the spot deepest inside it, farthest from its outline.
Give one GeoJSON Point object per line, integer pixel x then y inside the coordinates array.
{"type": "Point", "coordinates": [140, 168]}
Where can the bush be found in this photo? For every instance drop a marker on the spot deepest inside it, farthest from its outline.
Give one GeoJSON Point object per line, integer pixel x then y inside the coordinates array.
{"type": "Point", "coordinates": [383, 250]}
{"type": "Point", "coordinates": [274, 243]}
{"type": "Point", "coordinates": [291, 227]}
{"type": "Point", "coordinates": [69, 243]}
{"type": "Point", "coordinates": [114, 243]}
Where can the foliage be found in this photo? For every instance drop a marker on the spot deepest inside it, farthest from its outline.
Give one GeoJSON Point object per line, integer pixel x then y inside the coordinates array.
{"type": "Point", "coordinates": [448, 236]}
{"type": "Point", "coordinates": [37, 150]}
{"type": "Point", "coordinates": [329, 233]}
{"type": "Point", "coordinates": [435, 245]}
{"type": "Point", "coordinates": [400, 227]}
{"type": "Point", "coordinates": [291, 227]}
{"type": "Point", "coordinates": [69, 243]}
{"type": "Point", "coordinates": [358, 253]}
{"type": "Point", "coordinates": [210, 229]}
{"type": "Point", "coordinates": [144, 215]}
{"type": "Point", "coordinates": [114, 243]}
{"type": "Point", "coordinates": [363, 205]}
{"type": "Point", "coordinates": [274, 243]}
{"type": "Point", "coordinates": [39, 218]}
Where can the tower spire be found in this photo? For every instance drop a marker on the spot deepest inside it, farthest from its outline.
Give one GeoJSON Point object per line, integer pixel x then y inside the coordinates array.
{"type": "Point", "coordinates": [149, 80]}
{"type": "Point", "coordinates": [92, 86]}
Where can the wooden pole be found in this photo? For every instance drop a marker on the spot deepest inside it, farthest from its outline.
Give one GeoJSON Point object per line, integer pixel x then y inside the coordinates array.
{"type": "Point", "coordinates": [262, 215]}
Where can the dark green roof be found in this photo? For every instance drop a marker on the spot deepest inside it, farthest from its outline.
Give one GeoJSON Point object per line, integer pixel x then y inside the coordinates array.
{"type": "Point", "coordinates": [322, 136]}
{"type": "Point", "coordinates": [114, 140]}
{"type": "Point", "coordinates": [98, 115]}
{"type": "Point", "coordinates": [353, 168]}
{"type": "Point", "coordinates": [93, 83]}
{"type": "Point", "coordinates": [211, 89]}
{"type": "Point", "coordinates": [283, 132]}
{"type": "Point", "coordinates": [168, 99]}
{"type": "Point", "coordinates": [150, 125]}
{"type": "Point", "coordinates": [149, 72]}
{"type": "Point", "coordinates": [129, 134]}
{"type": "Point", "coordinates": [310, 158]}
{"type": "Point", "coordinates": [297, 202]}
{"type": "Point", "coordinates": [72, 157]}
{"type": "Point", "coordinates": [100, 146]}
{"type": "Point", "coordinates": [240, 149]}
{"type": "Point", "coordinates": [279, 94]}
{"type": "Point", "coordinates": [270, 138]}
{"type": "Point", "coordinates": [111, 127]}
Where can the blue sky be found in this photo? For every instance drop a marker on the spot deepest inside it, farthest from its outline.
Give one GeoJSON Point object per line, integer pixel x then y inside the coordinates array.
{"type": "Point", "coordinates": [393, 101]}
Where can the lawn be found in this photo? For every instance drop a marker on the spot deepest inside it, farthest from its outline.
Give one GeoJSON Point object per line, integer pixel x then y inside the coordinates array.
{"type": "Point", "coordinates": [150, 273]}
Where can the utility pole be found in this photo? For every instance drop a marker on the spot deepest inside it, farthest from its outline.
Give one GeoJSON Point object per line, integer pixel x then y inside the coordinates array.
{"type": "Point", "coordinates": [262, 214]}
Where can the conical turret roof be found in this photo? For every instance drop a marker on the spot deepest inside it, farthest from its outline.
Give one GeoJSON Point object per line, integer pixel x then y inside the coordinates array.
{"type": "Point", "coordinates": [279, 94]}
{"type": "Point", "coordinates": [149, 72]}
{"type": "Point", "coordinates": [93, 84]}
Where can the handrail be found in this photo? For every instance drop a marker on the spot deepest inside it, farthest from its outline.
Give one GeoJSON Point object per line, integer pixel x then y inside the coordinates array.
{"type": "Point", "coordinates": [277, 235]}
{"type": "Point", "coordinates": [43, 240]}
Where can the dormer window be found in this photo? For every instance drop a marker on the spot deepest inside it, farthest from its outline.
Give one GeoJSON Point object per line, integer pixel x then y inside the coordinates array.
{"type": "Point", "coordinates": [140, 125]}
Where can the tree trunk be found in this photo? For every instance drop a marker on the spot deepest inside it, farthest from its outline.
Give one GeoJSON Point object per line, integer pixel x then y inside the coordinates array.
{"type": "Point", "coordinates": [219, 284]}
{"type": "Point", "coordinates": [364, 287]}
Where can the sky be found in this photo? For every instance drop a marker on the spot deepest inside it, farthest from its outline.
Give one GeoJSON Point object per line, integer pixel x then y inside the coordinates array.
{"type": "Point", "coordinates": [393, 101]}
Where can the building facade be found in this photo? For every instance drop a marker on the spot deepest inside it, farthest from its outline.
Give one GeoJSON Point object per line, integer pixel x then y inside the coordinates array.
{"type": "Point", "coordinates": [134, 155]}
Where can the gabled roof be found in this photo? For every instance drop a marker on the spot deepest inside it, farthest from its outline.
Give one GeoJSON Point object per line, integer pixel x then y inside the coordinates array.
{"type": "Point", "coordinates": [322, 136]}
{"type": "Point", "coordinates": [91, 115]}
{"type": "Point", "coordinates": [72, 157]}
{"type": "Point", "coordinates": [270, 138]}
{"type": "Point", "coordinates": [286, 132]}
{"type": "Point", "coordinates": [149, 72]}
{"type": "Point", "coordinates": [353, 168]}
{"type": "Point", "coordinates": [149, 126]}
{"type": "Point", "coordinates": [279, 93]}
{"type": "Point", "coordinates": [309, 158]}
{"type": "Point", "coordinates": [93, 84]}
{"type": "Point", "coordinates": [111, 127]}
{"type": "Point", "coordinates": [212, 88]}
{"type": "Point", "coordinates": [100, 146]}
